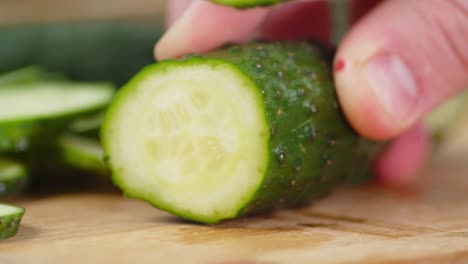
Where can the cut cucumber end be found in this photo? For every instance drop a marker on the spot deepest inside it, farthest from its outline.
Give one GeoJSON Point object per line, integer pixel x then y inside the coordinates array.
{"type": "Point", "coordinates": [189, 137]}
{"type": "Point", "coordinates": [10, 218]}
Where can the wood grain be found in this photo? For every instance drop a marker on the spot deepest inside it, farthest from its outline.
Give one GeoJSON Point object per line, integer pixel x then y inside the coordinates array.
{"type": "Point", "coordinates": [427, 223]}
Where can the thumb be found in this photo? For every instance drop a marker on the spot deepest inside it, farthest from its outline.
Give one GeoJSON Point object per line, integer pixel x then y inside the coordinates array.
{"type": "Point", "coordinates": [401, 61]}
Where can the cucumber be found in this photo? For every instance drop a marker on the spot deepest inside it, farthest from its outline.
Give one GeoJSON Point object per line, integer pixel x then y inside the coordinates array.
{"type": "Point", "coordinates": [13, 178]}
{"type": "Point", "coordinates": [27, 110]}
{"type": "Point", "coordinates": [23, 75]}
{"type": "Point", "coordinates": [84, 51]}
{"type": "Point", "coordinates": [83, 153]}
{"type": "Point", "coordinates": [247, 3]}
{"type": "Point", "coordinates": [88, 125]}
{"type": "Point", "coordinates": [10, 219]}
{"type": "Point", "coordinates": [446, 116]}
{"type": "Point", "coordinates": [239, 131]}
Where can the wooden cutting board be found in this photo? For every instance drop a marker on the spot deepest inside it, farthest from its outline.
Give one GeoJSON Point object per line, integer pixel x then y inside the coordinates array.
{"type": "Point", "coordinates": [426, 223]}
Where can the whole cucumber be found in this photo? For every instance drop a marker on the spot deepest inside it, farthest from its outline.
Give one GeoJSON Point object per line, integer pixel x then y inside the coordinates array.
{"type": "Point", "coordinates": [238, 131]}
{"type": "Point", "coordinates": [85, 51]}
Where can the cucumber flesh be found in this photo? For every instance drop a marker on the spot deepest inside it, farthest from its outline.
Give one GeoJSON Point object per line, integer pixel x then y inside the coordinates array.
{"type": "Point", "coordinates": [13, 177]}
{"type": "Point", "coordinates": [82, 153]}
{"type": "Point", "coordinates": [10, 219]}
{"type": "Point", "coordinates": [46, 100]}
{"type": "Point", "coordinates": [190, 144]}
{"type": "Point", "coordinates": [238, 131]}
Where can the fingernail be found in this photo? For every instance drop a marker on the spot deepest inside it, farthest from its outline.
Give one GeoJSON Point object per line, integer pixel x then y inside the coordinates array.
{"type": "Point", "coordinates": [393, 84]}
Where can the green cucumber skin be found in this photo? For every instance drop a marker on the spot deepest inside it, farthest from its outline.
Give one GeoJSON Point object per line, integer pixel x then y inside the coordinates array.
{"type": "Point", "coordinates": [9, 224]}
{"type": "Point", "coordinates": [12, 185]}
{"type": "Point", "coordinates": [85, 51]}
{"type": "Point", "coordinates": [242, 4]}
{"type": "Point", "coordinates": [311, 147]}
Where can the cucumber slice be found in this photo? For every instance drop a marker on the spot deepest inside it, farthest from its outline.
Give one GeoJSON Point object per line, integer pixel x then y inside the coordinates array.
{"type": "Point", "coordinates": [10, 219]}
{"type": "Point", "coordinates": [23, 75]}
{"type": "Point", "coordinates": [13, 177]}
{"type": "Point", "coordinates": [238, 131]}
{"type": "Point", "coordinates": [28, 110]}
{"type": "Point", "coordinates": [83, 153]}
{"type": "Point", "coordinates": [87, 125]}
{"type": "Point", "coordinates": [247, 3]}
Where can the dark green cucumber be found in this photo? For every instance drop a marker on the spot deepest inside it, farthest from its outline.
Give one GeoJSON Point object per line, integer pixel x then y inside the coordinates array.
{"type": "Point", "coordinates": [27, 110]}
{"type": "Point", "coordinates": [84, 51]}
{"type": "Point", "coordinates": [82, 153]}
{"type": "Point", "coordinates": [13, 177]}
{"type": "Point", "coordinates": [247, 3]}
{"type": "Point", "coordinates": [10, 219]}
{"type": "Point", "coordinates": [238, 131]}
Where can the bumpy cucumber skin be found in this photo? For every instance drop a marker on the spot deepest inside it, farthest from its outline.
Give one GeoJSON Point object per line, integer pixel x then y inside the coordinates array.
{"type": "Point", "coordinates": [11, 185]}
{"type": "Point", "coordinates": [311, 146]}
{"type": "Point", "coordinates": [9, 224]}
{"type": "Point", "coordinates": [242, 4]}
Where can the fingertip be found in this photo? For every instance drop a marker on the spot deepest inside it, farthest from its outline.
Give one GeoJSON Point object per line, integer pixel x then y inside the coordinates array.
{"type": "Point", "coordinates": [205, 26]}
{"type": "Point", "coordinates": [398, 65]}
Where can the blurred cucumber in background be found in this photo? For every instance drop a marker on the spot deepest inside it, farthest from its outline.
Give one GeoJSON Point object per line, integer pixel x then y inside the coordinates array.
{"type": "Point", "coordinates": [67, 44]}
{"type": "Point", "coordinates": [83, 40]}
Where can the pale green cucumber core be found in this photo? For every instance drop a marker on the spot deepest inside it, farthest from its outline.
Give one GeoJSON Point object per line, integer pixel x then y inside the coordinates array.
{"type": "Point", "coordinates": [193, 137]}
{"type": "Point", "coordinates": [7, 210]}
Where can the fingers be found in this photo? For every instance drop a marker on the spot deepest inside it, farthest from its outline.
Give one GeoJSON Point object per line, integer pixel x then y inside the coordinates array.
{"type": "Point", "coordinates": [400, 163]}
{"type": "Point", "coordinates": [401, 61]}
{"type": "Point", "coordinates": [204, 26]}
{"type": "Point", "coordinates": [175, 10]}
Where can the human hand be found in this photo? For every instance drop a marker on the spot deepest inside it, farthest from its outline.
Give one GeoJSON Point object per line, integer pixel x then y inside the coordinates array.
{"type": "Point", "coordinates": [396, 64]}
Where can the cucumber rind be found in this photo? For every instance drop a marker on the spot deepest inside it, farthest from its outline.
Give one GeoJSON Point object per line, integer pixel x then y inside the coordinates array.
{"type": "Point", "coordinates": [10, 219]}
{"type": "Point", "coordinates": [157, 202]}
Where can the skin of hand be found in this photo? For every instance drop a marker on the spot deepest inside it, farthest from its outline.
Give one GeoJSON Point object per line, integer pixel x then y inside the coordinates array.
{"type": "Point", "coordinates": [400, 60]}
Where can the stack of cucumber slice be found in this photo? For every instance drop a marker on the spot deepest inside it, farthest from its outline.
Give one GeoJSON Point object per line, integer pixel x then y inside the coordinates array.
{"type": "Point", "coordinates": [42, 117]}
{"type": "Point", "coordinates": [51, 113]}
